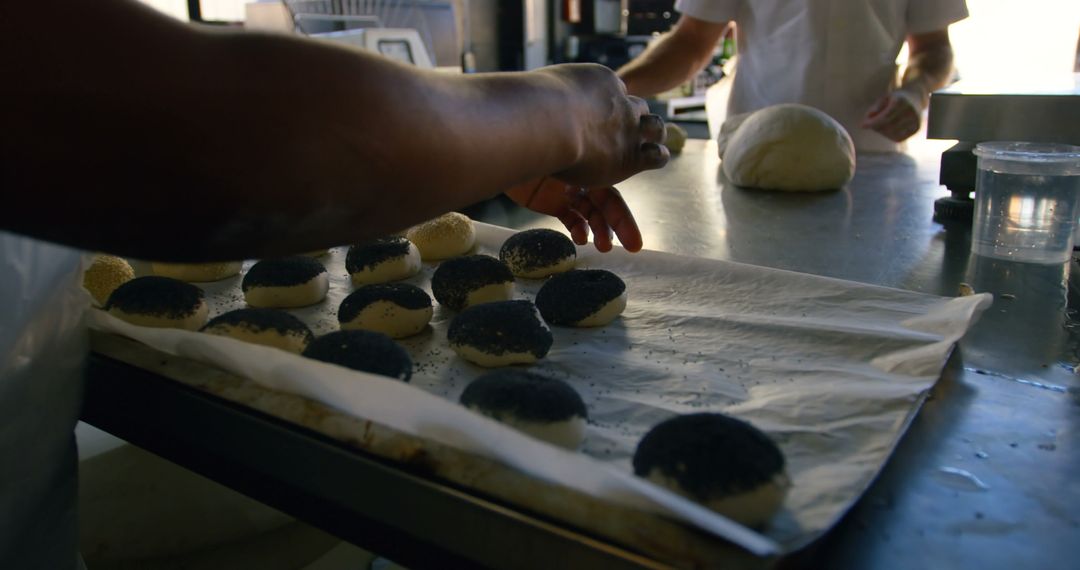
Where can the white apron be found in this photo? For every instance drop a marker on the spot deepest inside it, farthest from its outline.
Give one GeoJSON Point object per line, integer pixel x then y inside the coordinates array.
{"type": "Point", "coordinates": [836, 55]}
{"type": "Point", "coordinates": [43, 346]}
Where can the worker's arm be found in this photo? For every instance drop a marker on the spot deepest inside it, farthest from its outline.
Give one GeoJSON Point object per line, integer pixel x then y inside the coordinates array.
{"type": "Point", "coordinates": [673, 58]}
{"type": "Point", "coordinates": [129, 132]}
{"type": "Point", "coordinates": [930, 66]}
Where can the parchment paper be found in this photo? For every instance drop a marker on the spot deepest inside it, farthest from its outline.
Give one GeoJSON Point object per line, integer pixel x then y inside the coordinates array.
{"type": "Point", "coordinates": [832, 370]}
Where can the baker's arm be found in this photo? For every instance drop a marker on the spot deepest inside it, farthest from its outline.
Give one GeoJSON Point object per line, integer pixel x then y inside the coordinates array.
{"type": "Point", "coordinates": [930, 66]}
{"type": "Point", "coordinates": [673, 58]}
{"type": "Point", "coordinates": [129, 132]}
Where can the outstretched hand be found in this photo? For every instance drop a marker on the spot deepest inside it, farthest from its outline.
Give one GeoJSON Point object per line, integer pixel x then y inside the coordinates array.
{"type": "Point", "coordinates": [602, 209]}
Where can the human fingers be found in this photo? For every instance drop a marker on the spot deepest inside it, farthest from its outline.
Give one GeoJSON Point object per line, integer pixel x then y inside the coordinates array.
{"type": "Point", "coordinates": [903, 129]}
{"type": "Point", "coordinates": [585, 218]}
{"type": "Point", "coordinates": [876, 108]}
{"type": "Point", "coordinates": [618, 216]}
{"type": "Point", "coordinates": [882, 117]}
{"type": "Point", "coordinates": [576, 224]}
{"type": "Point", "coordinates": [652, 155]}
{"type": "Point", "coordinates": [901, 124]}
{"type": "Point", "coordinates": [601, 231]}
{"type": "Point", "coordinates": [892, 109]}
{"type": "Point", "coordinates": [652, 128]}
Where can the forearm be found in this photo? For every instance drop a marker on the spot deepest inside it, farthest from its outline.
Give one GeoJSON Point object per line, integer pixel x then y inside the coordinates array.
{"type": "Point", "coordinates": [250, 145]}
{"type": "Point", "coordinates": [381, 145]}
{"type": "Point", "coordinates": [669, 61]}
{"type": "Point", "coordinates": [928, 70]}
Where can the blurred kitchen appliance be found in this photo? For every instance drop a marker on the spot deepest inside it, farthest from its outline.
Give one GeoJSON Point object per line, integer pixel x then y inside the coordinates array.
{"type": "Point", "coordinates": [1045, 111]}
{"type": "Point", "coordinates": [520, 30]}
{"type": "Point", "coordinates": [612, 32]}
{"type": "Point", "coordinates": [423, 32]}
{"type": "Point", "coordinates": [648, 17]}
{"type": "Point", "coordinates": [402, 44]}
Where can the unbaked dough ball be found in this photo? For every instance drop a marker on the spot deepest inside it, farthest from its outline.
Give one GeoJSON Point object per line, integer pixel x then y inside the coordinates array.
{"type": "Point", "coordinates": [105, 274]}
{"type": "Point", "coordinates": [535, 254]}
{"type": "Point", "coordinates": [676, 137]}
{"type": "Point", "coordinates": [724, 463]}
{"type": "Point", "coordinates": [267, 327]}
{"type": "Point", "coordinates": [466, 281]}
{"type": "Point", "coordinates": [545, 408]}
{"type": "Point", "coordinates": [447, 236]}
{"type": "Point", "coordinates": [366, 351]}
{"type": "Point", "coordinates": [161, 302]}
{"type": "Point", "coordinates": [500, 334]}
{"type": "Point", "coordinates": [582, 298]}
{"type": "Point", "coordinates": [197, 272]}
{"type": "Point", "coordinates": [397, 310]}
{"type": "Point", "coordinates": [382, 260]}
{"type": "Point", "coordinates": [295, 281]}
{"type": "Point", "coordinates": [789, 147]}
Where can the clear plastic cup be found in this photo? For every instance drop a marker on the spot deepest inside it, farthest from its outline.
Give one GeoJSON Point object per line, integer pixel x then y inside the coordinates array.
{"type": "Point", "coordinates": [1026, 197]}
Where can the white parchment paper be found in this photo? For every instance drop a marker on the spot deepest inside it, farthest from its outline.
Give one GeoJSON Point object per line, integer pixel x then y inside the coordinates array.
{"type": "Point", "coordinates": [832, 370]}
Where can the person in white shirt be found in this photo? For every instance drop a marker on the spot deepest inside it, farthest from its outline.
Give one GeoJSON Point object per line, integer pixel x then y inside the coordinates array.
{"type": "Point", "coordinates": [836, 55]}
{"type": "Point", "coordinates": [128, 132]}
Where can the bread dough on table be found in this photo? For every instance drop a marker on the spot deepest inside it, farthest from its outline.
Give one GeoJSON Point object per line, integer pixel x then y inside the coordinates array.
{"type": "Point", "coordinates": [676, 137]}
{"type": "Point", "coordinates": [787, 147]}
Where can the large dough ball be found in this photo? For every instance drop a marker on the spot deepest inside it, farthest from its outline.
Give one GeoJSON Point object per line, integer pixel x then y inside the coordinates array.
{"type": "Point", "coordinates": [789, 147]}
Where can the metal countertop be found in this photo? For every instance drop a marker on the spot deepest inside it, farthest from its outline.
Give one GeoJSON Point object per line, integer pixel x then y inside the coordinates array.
{"type": "Point", "coordinates": [984, 478]}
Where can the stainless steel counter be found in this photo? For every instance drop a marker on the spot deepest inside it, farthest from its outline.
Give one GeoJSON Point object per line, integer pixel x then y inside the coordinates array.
{"type": "Point", "coordinates": [983, 479]}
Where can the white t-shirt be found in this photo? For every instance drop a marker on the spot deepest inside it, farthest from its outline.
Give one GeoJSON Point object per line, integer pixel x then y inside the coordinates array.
{"type": "Point", "coordinates": [836, 55]}
{"type": "Point", "coordinates": [43, 346]}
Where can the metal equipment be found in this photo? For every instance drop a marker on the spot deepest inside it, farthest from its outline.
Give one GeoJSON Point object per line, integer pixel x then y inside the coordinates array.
{"type": "Point", "coordinates": [1035, 111]}
{"type": "Point", "coordinates": [425, 33]}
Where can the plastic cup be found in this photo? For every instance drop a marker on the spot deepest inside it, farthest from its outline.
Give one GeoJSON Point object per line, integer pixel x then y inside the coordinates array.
{"type": "Point", "coordinates": [1026, 197]}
